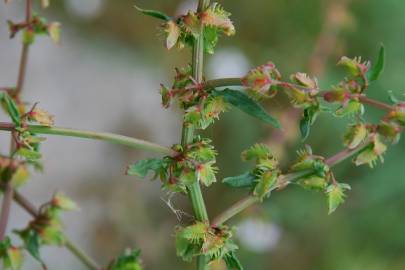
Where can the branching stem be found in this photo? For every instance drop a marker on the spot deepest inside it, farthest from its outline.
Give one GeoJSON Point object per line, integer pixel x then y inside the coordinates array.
{"type": "Point", "coordinates": [103, 136]}
{"type": "Point", "coordinates": [73, 248]}
{"type": "Point", "coordinates": [250, 200]}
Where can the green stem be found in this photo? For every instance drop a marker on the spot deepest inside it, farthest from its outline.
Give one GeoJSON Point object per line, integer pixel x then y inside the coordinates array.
{"type": "Point", "coordinates": [224, 82]}
{"type": "Point", "coordinates": [194, 191]}
{"type": "Point", "coordinates": [250, 200]}
{"type": "Point", "coordinates": [75, 250]}
{"type": "Point", "coordinates": [103, 136]}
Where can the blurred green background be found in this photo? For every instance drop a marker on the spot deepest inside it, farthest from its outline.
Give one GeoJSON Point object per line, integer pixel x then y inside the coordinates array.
{"type": "Point", "coordinates": [106, 75]}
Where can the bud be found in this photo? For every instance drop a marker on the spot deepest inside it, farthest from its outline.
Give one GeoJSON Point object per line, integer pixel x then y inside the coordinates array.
{"type": "Point", "coordinates": [41, 116]}
{"type": "Point", "coordinates": [354, 135]}
{"type": "Point", "coordinates": [191, 24]}
{"type": "Point", "coordinates": [260, 80]}
{"type": "Point", "coordinates": [63, 202]}
{"type": "Point", "coordinates": [336, 195]}
{"type": "Point", "coordinates": [338, 95]}
{"type": "Point", "coordinates": [354, 66]}
{"type": "Point", "coordinates": [304, 80]}
{"type": "Point", "coordinates": [390, 131]}
{"type": "Point", "coordinates": [166, 96]}
{"type": "Point", "coordinates": [372, 153]}
{"type": "Point", "coordinates": [54, 32]}
{"type": "Point", "coordinates": [173, 32]}
{"type": "Point", "coordinates": [217, 17]}
{"type": "Point", "coordinates": [313, 182]}
{"type": "Point", "coordinates": [28, 37]}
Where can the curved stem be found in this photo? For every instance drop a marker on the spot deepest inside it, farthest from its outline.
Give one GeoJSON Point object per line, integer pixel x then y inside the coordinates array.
{"type": "Point", "coordinates": [284, 180]}
{"type": "Point", "coordinates": [103, 136]}
{"type": "Point", "coordinates": [75, 250]}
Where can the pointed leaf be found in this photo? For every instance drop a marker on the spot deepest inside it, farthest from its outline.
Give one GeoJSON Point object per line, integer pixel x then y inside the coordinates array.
{"type": "Point", "coordinates": [142, 167]}
{"type": "Point", "coordinates": [377, 69]}
{"type": "Point", "coordinates": [11, 108]}
{"type": "Point", "coordinates": [241, 181]}
{"type": "Point", "coordinates": [154, 13]}
{"type": "Point", "coordinates": [243, 102]}
{"type": "Point", "coordinates": [336, 195]}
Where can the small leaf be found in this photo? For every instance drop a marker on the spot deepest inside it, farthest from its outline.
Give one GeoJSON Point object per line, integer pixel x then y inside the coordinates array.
{"type": "Point", "coordinates": [20, 176]}
{"type": "Point", "coordinates": [336, 195]}
{"type": "Point", "coordinates": [63, 202]}
{"type": "Point", "coordinates": [154, 13]}
{"type": "Point", "coordinates": [265, 184]}
{"type": "Point", "coordinates": [142, 167]}
{"type": "Point", "coordinates": [28, 37]}
{"type": "Point", "coordinates": [11, 108]}
{"type": "Point", "coordinates": [232, 262]}
{"type": "Point", "coordinates": [206, 174]}
{"type": "Point", "coordinates": [31, 241]}
{"type": "Point", "coordinates": [241, 181]}
{"type": "Point", "coordinates": [374, 73]}
{"type": "Point", "coordinates": [247, 105]}
{"type": "Point", "coordinates": [29, 154]}
{"type": "Point", "coordinates": [15, 258]}
{"type": "Point", "coordinates": [41, 117]}
{"type": "Point", "coordinates": [173, 32]}
{"type": "Point", "coordinates": [355, 135]}
{"type": "Point", "coordinates": [129, 261]}
{"type": "Point", "coordinates": [54, 32]}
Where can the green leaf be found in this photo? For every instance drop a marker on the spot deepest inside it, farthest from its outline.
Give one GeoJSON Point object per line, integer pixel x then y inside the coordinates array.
{"type": "Point", "coordinates": [232, 262]}
{"type": "Point", "coordinates": [128, 261]}
{"type": "Point", "coordinates": [210, 39]}
{"type": "Point", "coordinates": [206, 173]}
{"type": "Point", "coordinates": [265, 184]}
{"type": "Point", "coordinates": [241, 181]}
{"type": "Point", "coordinates": [142, 167]}
{"type": "Point", "coordinates": [257, 152]}
{"type": "Point", "coordinates": [15, 258]}
{"type": "Point", "coordinates": [20, 176]}
{"type": "Point", "coordinates": [31, 241]}
{"type": "Point", "coordinates": [154, 13]}
{"type": "Point", "coordinates": [246, 104]}
{"type": "Point", "coordinates": [11, 108]}
{"type": "Point", "coordinates": [336, 195]}
{"type": "Point", "coordinates": [310, 115]}
{"type": "Point", "coordinates": [63, 202]}
{"type": "Point", "coordinates": [375, 71]}
{"type": "Point", "coordinates": [29, 154]}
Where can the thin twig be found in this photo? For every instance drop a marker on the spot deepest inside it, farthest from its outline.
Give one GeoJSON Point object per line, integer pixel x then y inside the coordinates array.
{"type": "Point", "coordinates": [103, 136]}
{"type": "Point", "coordinates": [5, 209]}
{"type": "Point", "coordinates": [8, 191]}
{"type": "Point", "coordinates": [73, 248]}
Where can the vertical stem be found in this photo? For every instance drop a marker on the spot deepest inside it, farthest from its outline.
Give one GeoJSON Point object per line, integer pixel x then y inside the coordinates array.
{"type": "Point", "coordinates": [9, 191]}
{"type": "Point", "coordinates": [24, 53]}
{"type": "Point", "coordinates": [194, 191]}
{"type": "Point", "coordinates": [5, 209]}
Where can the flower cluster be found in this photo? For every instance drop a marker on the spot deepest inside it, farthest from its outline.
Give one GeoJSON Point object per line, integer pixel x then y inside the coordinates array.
{"type": "Point", "coordinates": [183, 30]}
{"type": "Point", "coordinates": [201, 239]}
{"type": "Point", "coordinates": [47, 228]}
{"type": "Point", "coordinates": [195, 162]}
{"type": "Point", "coordinates": [37, 26]}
